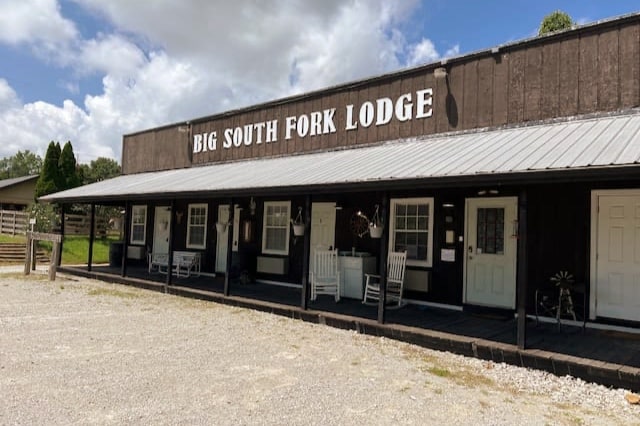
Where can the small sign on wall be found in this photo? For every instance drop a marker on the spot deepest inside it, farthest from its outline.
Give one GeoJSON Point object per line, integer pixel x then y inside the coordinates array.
{"type": "Point", "coordinates": [448, 255]}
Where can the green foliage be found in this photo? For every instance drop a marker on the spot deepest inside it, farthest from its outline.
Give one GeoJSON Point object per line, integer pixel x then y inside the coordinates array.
{"type": "Point", "coordinates": [555, 21]}
{"type": "Point", "coordinates": [46, 216]}
{"type": "Point", "coordinates": [99, 169]}
{"type": "Point", "coordinates": [50, 177]}
{"type": "Point", "coordinates": [68, 168]}
{"type": "Point", "coordinates": [23, 163]}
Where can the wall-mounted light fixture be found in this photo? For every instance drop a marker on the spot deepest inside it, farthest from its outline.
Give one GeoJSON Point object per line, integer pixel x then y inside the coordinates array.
{"type": "Point", "coordinates": [179, 216]}
{"type": "Point", "coordinates": [488, 192]}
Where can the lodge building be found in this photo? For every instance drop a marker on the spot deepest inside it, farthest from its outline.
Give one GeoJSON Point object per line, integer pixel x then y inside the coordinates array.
{"type": "Point", "coordinates": [495, 171]}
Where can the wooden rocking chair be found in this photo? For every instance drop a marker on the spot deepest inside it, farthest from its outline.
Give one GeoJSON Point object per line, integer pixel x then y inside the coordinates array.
{"type": "Point", "coordinates": [325, 277]}
{"type": "Point", "coordinates": [396, 262]}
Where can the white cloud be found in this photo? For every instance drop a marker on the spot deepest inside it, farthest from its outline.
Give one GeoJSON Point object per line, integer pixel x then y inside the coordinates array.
{"type": "Point", "coordinates": [167, 61]}
{"type": "Point", "coordinates": [423, 53]}
{"type": "Point", "coordinates": [35, 21]}
{"type": "Point", "coordinates": [8, 97]}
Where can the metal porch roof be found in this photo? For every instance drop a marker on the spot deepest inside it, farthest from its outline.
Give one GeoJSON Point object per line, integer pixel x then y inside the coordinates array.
{"type": "Point", "coordinates": [579, 143]}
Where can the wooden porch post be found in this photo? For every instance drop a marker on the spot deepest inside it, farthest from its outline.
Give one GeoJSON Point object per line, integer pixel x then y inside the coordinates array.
{"type": "Point", "coordinates": [382, 262]}
{"type": "Point", "coordinates": [91, 235]}
{"type": "Point", "coordinates": [229, 247]}
{"type": "Point", "coordinates": [58, 259]}
{"type": "Point", "coordinates": [125, 239]}
{"type": "Point", "coordinates": [522, 276]}
{"type": "Point", "coordinates": [172, 221]}
{"type": "Point", "coordinates": [306, 251]}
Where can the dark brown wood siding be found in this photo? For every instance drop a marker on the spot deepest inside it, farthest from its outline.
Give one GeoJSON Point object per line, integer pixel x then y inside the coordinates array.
{"type": "Point", "coordinates": [584, 71]}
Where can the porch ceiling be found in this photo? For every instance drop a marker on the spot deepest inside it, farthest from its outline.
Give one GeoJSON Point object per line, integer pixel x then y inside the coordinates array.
{"type": "Point", "coordinates": [581, 144]}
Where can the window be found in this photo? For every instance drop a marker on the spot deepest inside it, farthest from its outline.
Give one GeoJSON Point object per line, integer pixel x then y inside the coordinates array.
{"type": "Point", "coordinates": [197, 226]}
{"type": "Point", "coordinates": [411, 229]}
{"type": "Point", "coordinates": [490, 231]}
{"type": "Point", "coordinates": [275, 229]}
{"type": "Point", "coordinates": [138, 224]}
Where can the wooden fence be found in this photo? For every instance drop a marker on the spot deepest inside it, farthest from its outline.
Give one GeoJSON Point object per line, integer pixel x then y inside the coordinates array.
{"type": "Point", "coordinates": [78, 224]}
{"type": "Point", "coordinates": [14, 222]}
{"type": "Point", "coordinates": [17, 223]}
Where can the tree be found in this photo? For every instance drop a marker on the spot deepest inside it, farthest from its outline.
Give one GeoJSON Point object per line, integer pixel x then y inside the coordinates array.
{"type": "Point", "coordinates": [50, 179]}
{"type": "Point", "coordinates": [99, 169]}
{"type": "Point", "coordinates": [555, 21]}
{"type": "Point", "coordinates": [23, 163]}
{"type": "Point", "coordinates": [68, 168]}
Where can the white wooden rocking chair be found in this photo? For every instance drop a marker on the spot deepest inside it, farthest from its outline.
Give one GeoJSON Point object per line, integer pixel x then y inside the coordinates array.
{"type": "Point", "coordinates": [396, 262]}
{"type": "Point", "coordinates": [325, 277]}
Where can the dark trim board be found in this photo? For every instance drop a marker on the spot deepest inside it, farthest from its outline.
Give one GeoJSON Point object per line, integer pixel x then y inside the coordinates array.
{"type": "Point", "coordinates": [621, 369]}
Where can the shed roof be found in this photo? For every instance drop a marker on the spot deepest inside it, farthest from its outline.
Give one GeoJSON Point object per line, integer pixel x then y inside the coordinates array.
{"type": "Point", "coordinates": [5, 183]}
{"type": "Point", "coordinates": [580, 143]}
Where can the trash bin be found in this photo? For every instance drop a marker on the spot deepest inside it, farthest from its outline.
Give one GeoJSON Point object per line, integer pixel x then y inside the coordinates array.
{"type": "Point", "coordinates": [115, 253]}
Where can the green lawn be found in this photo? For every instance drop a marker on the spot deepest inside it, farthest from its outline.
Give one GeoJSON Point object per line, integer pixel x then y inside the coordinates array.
{"type": "Point", "coordinates": [75, 249]}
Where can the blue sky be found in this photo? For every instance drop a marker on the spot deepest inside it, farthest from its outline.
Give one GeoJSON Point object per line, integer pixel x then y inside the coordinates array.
{"type": "Point", "coordinates": [89, 71]}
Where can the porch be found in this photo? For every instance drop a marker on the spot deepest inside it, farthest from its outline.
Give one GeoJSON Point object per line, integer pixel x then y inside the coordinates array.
{"type": "Point", "coordinates": [606, 357]}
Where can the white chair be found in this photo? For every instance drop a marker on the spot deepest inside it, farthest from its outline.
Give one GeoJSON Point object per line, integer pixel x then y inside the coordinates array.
{"type": "Point", "coordinates": [325, 277]}
{"type": "Point", "coordinates": [396, 262]}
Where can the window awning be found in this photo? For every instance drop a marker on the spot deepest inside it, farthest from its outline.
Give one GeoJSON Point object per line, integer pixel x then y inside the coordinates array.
{"type": "Point", "coordinates": [592, 143]}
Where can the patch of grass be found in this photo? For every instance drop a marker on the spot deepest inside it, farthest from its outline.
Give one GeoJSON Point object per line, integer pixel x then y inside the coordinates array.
{"type": "Point", "coordinates": [112, 292]}
{"type": "Point", "coordinates": [440, 372]}
{"type": "Point", "coordinates": [75, 249]}
{"type": "Point", "coordinates": [30, 277]}
{"type": "Point", "coordinates": [13, 239]}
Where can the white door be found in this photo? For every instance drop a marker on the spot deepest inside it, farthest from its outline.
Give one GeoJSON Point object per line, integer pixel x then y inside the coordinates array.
{"type": "Point", "coordinates": [617, 287]}
{"type": "Point", "coordinates": [323, 228]}
{"type": "Point", "coordinates": [162, 226]}
{"type": "Point", "coordinates": [222, 239]}
{"type": "Point", "coordinates": [491, 248]}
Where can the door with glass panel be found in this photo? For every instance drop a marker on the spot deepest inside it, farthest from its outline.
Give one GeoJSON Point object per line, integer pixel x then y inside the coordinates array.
{"type": "Point", "coordinates": [491, 249]}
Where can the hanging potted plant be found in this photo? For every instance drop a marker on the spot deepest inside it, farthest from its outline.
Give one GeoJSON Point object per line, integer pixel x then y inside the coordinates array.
{"type": "Point", "coordinates": [298, 224]}
{"type": "Point", "coordinates": [376, 228]}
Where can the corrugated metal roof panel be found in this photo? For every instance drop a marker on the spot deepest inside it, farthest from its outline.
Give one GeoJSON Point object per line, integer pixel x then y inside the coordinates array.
{"type": "Point", "coordinates": [579, 143]}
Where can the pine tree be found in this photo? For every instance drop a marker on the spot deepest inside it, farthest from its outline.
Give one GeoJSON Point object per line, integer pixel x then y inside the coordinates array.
{"type": "Point", "coordinates": [68, 168]}
{"type": "Point", "coordinates": [50, 178]}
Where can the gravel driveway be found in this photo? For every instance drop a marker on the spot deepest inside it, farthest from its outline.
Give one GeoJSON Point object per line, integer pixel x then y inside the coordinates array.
{"type": "Point", "coordinates": [79, 351]}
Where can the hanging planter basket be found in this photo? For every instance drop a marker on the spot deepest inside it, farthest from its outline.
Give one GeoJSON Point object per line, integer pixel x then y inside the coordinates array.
{"type": "Point", "coordinates": [376, 228]}
{"type": "Point", "coordinates": [297, 224]}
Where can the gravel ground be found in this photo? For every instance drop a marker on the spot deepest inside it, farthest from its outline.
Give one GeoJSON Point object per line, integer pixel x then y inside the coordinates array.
{"type": "Point", "coordinates": [79, 351]}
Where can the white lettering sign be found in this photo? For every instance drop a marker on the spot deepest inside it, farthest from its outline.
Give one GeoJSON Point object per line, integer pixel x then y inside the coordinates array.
{"type": "Point", "coordinates": [379, 112]}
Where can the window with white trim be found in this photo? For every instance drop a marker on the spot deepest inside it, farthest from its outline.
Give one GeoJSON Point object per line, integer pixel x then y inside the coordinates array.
{"type": "Point", "coordinates": [197, 226]}
{"type": "Point", "coordinates": [411, 229]}
{"type": "Point", "coordinates": [275, 227]}
{"type": "Point", "coordinates": [138, 224]}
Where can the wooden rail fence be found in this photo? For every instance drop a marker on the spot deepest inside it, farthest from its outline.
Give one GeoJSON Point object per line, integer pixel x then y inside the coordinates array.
{"type": "Point", "coordinates": [13, 222]}
{"type": "Point", "coordinates": [17, 223]}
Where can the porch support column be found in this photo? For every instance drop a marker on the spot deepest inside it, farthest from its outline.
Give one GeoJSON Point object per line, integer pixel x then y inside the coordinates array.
{"type": "Point", "coordinates": [382, 261]}
{"type": "Point", "coordinates": [172, 220]}
{"type": "Point", "coordinates": [92, 225]}
{"type": "Point", "coordinates": [522, 276]}
{"type": "Point", "coordinates": [58, 259]}
{"type": "Point", "coordinates": [306, 250]}
{"type": "Point", "coordinates": [229, 247]}
{"type": "Point", "coordinates": [127, 233]}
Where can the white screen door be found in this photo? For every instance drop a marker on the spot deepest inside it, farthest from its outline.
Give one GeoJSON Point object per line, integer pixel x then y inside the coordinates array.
{"type": "Point", "coordinates": [491, 248]}
{"type": "Point", "coordinates": [323, 228]}
{"type": "Point", "coordinates": [162, 226]}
